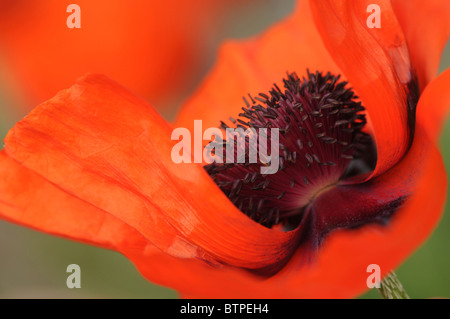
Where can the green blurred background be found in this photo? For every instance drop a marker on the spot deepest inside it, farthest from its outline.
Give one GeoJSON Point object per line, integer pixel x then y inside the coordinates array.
{"type": "Point", "coordinates": [33, 265]}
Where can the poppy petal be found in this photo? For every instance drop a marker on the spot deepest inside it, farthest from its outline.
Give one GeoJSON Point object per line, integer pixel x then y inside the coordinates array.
{"type": "Point", "coordinates": [109, 148]}
{"type": "Point", "coordinates": [253, 65]}
{"type": "Point", "coordinates": [29, 199]}
{"type": "Point", "coordinates": [374, 60]}
{"type": "Point", "coordinates": [426, 25]}
{"type": "Point", "coordinates": [434, 104]}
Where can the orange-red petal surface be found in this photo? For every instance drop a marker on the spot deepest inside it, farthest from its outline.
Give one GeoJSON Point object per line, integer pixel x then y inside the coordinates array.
{"type": "Point", "coordinates": [376, 62]}
{"type": "Point", "coordinates": [100, 143]}
{"type": "Point", "coordinates": [30, 200]}
{"type": "Point", "coordinates": [426, 25]}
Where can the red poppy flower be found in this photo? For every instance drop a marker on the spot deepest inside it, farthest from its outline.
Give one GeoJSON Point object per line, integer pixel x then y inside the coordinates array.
{"type": "Point", "coordinates": [137, 44]}
{"type": "Point", "coordinates": [93, 164]}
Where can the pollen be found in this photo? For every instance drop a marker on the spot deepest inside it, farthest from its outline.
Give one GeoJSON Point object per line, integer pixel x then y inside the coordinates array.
{"type": "Point", "coordinates": [320, 123]}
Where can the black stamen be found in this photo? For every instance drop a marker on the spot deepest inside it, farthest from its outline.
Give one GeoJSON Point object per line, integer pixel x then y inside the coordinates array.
{"type": "Point", "coordinates": [319, 122]}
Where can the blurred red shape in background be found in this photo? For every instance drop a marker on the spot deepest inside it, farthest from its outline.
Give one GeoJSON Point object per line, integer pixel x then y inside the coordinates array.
{"type": "Point", "coordinates": [145, 44]}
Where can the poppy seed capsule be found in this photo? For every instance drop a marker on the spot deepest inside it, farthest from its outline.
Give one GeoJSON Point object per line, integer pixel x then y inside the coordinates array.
{"type": "Point", "coordinates": [319, 122]}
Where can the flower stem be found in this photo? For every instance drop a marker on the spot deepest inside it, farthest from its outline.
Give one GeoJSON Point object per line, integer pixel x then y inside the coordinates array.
{"type": "Point", "coordinates": [391, 288]}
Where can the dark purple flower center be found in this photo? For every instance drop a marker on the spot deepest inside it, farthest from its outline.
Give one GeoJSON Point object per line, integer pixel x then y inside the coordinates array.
{"type": "Point", "coordinates": [319, 121]}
